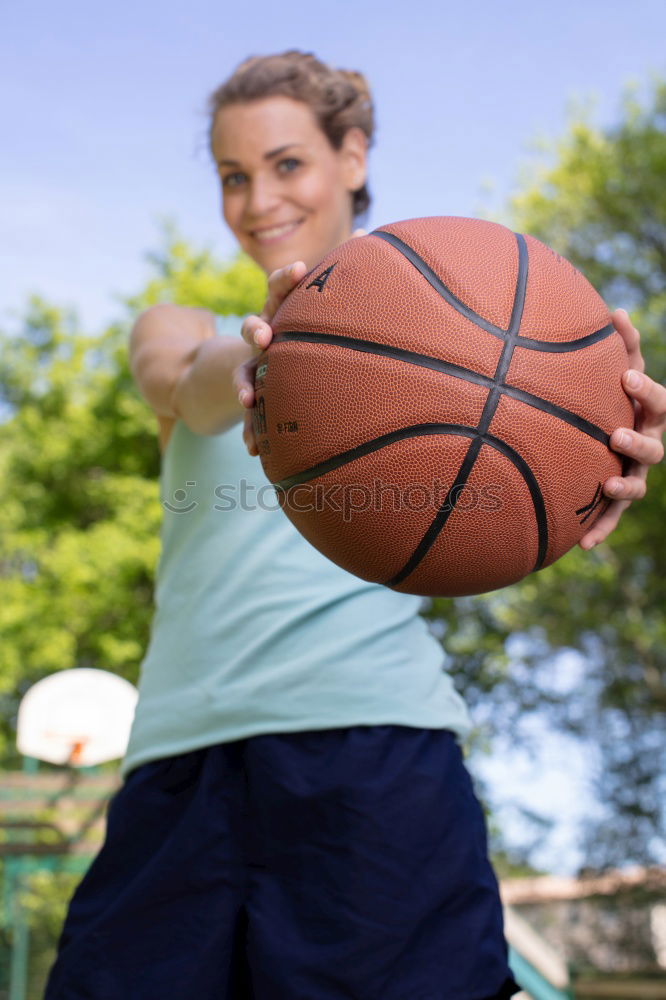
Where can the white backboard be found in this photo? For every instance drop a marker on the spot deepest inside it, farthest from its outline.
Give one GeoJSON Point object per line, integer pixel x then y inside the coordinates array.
{"type": "Point", "coordinates": [79, 717]}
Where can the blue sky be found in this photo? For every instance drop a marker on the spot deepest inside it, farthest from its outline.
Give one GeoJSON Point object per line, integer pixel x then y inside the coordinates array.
{"type": "Point", "coordinates": [103, 114]}
{"type": "Point", "coordinates": [102, 109]}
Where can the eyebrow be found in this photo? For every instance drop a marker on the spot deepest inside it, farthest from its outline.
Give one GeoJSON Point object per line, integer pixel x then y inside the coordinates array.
{"type": "Point", "coordinates": [267, 156]}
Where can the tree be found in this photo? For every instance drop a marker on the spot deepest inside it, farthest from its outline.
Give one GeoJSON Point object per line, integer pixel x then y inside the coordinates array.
{"type": "Point", "coordinates": [80, 521]}
{"type": "Point", "coordinates": [601, 202]}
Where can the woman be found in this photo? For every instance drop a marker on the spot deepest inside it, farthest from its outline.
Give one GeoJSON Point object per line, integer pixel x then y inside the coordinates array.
{"type": "Point", "coordinates": [296, 821]}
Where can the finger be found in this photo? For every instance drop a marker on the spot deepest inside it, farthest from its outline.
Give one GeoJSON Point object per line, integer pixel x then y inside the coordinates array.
{"type": "Point", "coordinates": [630, 336]}
{"type": "Point", "coordinates": [280, 283]}
{"type": "Point", "coordinates": [603, 527]}
{"type": "Point", "coordinates": [246, 396]}
{"type": "Point", "coordinates": [256, 332]}
{"type": "Point", "coordinates": [643, 447]}
{"type": "Point", "coordinates": [652, 397]}
{"type": "Point", "coordinates": [627, 487]}
{"type": "Point", "coordinates": [248, 435]}
{"type": "Point", "coordinates": [243, 383]}
{"type": "Point", "coordinates": [359, 232]}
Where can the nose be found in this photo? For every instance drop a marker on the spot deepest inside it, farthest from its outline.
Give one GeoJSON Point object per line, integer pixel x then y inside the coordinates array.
{"type": "Point", "coordinates": [262, 197]}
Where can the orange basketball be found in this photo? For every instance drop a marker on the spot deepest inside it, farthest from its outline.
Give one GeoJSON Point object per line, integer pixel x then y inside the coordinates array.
{"type": "Point", "coordinates": [435, 407]}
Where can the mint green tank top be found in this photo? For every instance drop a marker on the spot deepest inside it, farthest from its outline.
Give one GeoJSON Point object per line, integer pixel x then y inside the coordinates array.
{"type": "Point", "coordinates": [256, 632]}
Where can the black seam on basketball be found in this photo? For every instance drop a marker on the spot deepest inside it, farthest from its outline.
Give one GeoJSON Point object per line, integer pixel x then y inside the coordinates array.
{"type": "Point", "coordinates": [387, 351]}
{"type": "Point", "coordinates": [437, 283]}
{"type": "Point", "coordinates": [565, 346]}
{"type": "Point", "coordinates": [441, 517]}
{"type": "Point", "coordinates": [492, 401]}
{"type": "Point", "coordinates": [580, 423]}
{"type": "Point", "coordinates": [535, 492]}
{"type": "Point", "coordinates": [424, 430]}
{"type": "Point", "coordinates": [447, 368]}
{"type": "Point", "coordinates": [504, 360]}
{"type": "Point", "coordinates": [374, 444]}
{"type": "Point", "coordinates": [521, 288]}
{"type": "Point", "coordinates": [529, 343]}
{"type": "Point", "coordinates": [532, 484]}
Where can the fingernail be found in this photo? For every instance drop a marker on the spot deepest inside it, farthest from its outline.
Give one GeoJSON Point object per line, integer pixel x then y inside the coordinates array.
{"type": "Point", "coordinates": [256, 336]}
{"type": "Point", "coordinates": [633, 379]}
{"type": "Point", "coordinates": [242, 396]}
{"type": "Point", "coordinates": [623, 440]}
{"type": "Point", "coordinates": [614, 488]}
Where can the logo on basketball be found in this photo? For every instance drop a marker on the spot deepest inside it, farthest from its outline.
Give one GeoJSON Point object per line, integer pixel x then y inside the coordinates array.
{"type": "Point", "coordinates": [259, 416]}
{"type": "Point", "coordinates": [590, 508]}
{"type": "Point", "coordinates": [260, 375]}
{"type": "Point", "coordinates": [321, 279]}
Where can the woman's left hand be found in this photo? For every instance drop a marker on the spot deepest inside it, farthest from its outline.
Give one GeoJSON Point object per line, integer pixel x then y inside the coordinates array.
{"type": "Point", "coordinates": [643, 443]}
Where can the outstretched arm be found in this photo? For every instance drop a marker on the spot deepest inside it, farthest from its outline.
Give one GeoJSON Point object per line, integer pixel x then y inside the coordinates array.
{"type": "Point", "coordinates": [183, 370]}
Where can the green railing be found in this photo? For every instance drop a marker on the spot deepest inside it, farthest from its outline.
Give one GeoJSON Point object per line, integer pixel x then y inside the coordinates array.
{"type": "Point", "coordinates": [50, 820]}
{"type": "Point", "coordinates": [531, 980]}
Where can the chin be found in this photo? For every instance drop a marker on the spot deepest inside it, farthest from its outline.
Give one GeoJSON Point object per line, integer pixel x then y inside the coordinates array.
{"type": "Point", "coordinates": [272, 258]}
{"type": "Point", "coordinates": [272, 261]}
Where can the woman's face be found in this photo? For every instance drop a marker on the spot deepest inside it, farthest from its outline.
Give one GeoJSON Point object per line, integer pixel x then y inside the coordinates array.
{"type": "Point", "coordinates": [286, 193]}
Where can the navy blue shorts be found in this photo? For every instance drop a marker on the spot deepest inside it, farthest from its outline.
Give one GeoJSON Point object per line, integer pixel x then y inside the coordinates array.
{"type": "Point", "coordinates": [344, 863]}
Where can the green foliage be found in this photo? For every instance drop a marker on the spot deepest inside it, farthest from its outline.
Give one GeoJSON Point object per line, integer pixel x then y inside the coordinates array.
{"type": "Point", "coordinates": [80, 521]}
{"type": "Point", "coordinates": [601, 202]}
{"type": "Point", "coordinates": [81, 511]}
{"type": "Point", "coordinates": [603, 205]}
{"type": "Point", "coordinates": [43, 899]}
{"type": "Point", "coordinates": [191, 278]}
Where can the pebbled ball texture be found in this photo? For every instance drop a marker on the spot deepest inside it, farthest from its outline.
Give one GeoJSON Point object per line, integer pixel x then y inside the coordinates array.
{"type": "Point", "coordinates": [436, 404]}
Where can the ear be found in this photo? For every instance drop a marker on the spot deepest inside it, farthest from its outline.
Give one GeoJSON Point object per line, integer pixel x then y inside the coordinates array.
{"type": "Point", "coordinates": [354, 155]}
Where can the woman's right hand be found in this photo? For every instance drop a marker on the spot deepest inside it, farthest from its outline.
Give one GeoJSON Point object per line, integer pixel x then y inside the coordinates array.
{"type": "Point", "coordinates": [257, 332]}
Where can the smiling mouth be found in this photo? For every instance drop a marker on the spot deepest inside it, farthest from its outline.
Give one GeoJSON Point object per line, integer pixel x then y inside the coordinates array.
{"type": "Point", "coordinates": [274, 233]}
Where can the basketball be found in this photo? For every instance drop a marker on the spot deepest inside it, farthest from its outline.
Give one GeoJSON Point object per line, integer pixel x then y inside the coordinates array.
{"type": "Point", "coordinates": [435, 408]}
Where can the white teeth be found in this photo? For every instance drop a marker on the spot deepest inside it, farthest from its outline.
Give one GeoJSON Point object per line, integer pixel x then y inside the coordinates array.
{"type": "Point", "coordinates": [269, 234]}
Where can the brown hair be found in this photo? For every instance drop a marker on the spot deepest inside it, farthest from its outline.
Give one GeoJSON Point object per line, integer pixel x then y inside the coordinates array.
{"type": "Point", "coordinates": [339, 98]}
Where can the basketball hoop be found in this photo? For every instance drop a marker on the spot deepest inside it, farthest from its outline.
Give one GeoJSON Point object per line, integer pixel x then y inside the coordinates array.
{"type": "Point", "coordinates": [78, 717]}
